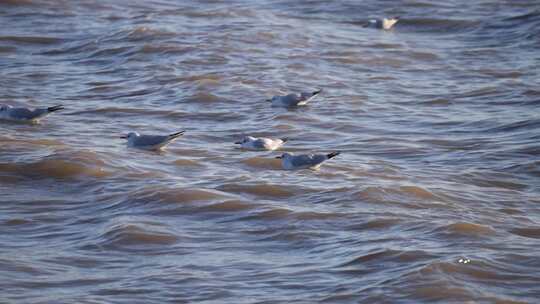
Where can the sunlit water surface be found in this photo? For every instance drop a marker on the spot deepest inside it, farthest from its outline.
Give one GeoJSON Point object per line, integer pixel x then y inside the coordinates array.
{"type": "Point", "coordinates": [437, 120]}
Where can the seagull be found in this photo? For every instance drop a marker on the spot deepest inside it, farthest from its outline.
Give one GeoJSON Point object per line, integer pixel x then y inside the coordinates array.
{"type": "Point", "coordinates": [384, 23]}
{"type": "Point", "coordinates": [150, 142]}
{"type": "Point", "coordinates": [8, 112]}
{"type": "Point", "coordinates": [304, 161]}
{"type": "Point", "coordinates": [293, 100]}
{"type": "Point", "coordinates": [261, 143]}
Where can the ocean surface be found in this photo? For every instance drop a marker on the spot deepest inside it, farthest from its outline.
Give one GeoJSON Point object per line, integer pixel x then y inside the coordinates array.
{"type": "Point", "coordinates": [435, 197]}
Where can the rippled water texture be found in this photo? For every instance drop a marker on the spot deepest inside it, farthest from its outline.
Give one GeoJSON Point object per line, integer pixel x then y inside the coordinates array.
{"type": "Point", "coordinates": [435, 197]}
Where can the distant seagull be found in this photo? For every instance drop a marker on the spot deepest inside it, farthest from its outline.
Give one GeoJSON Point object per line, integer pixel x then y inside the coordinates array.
{"type": "Point", "coordinates": [384, 23]}
{"type": "Point", "coordinates": [150, 142]}
{"type": "Point", "coordinates": [305, 161]}
{"type": "Point", "coordinates": [26, 115]}
{"type": "Point", "coordinates": [293, 100]}
{"type": "Point", "coordinates": [261, 143]}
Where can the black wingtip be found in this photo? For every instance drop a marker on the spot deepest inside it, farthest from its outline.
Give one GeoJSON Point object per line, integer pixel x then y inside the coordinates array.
{"type": "Point", "coordinates": [55, 108]}
{"type": "Point", "coordinates": [333, 154]}
{"type": "Point", "coordinates": [284, 139]}
{"type": "Point", "coordinates": [316, 92]}
{"type": "Point", "coordinates": [177, 134]}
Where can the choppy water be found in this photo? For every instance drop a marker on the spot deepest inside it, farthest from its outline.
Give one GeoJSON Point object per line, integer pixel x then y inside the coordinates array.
{"type": "Point", "coordinates": [438, 122]}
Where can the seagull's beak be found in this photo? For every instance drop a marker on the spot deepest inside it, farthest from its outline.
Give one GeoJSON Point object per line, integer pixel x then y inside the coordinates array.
{"type": "Point", "coordinates": [123, 137]}
{"type": "Point", "coordinates": [269, 100]}
{"type": "Point", "coordinates": [238, 143]}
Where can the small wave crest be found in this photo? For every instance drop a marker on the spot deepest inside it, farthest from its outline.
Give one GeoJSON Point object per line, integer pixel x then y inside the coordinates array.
{"type": "Point", "coordinates": [388, 256]}
{"type": "Point", "coordinates": [161, 194]}
{"type": "Point", "coordinates": [465, 229]}
{"type": "Point", "coordinates": [264, 190]}
{"type": "Point", "coordinates": [124, 235]}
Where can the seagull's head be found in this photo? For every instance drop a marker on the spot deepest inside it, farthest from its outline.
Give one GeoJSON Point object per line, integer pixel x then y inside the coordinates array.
{"type": "Point", "coordinates": [245, 140]}
{"type": "Point", "coordinates": [130, 135]}
{"type": "Point", "coordinates": [284, 156]}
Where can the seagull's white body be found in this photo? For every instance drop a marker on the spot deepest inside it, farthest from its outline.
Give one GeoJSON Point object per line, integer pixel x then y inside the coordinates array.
{"type": "Point", "coordinates": [304, 161]}
{"type": "Point", "coordinates": [25, 114]}
{"type": "Point", "coordinates": [150, 142]}
{"type": "Point", "coordinates": [384, 23]}
{"type": "Point", "coordinates": [293, 100]}
{"type": "Point", "coordinates": [261, 143]}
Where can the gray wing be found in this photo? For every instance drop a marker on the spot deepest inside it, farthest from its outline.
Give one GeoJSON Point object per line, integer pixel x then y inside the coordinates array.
{"type": "Point", "coordinates": [319, 158]}
{"type": "Point", "coordinates": [259, 144]}
{"type": "Point", "coordinates": [306, 95]}
{"type": "Point", "coordinates": [308, 160]}
{"type": "Point", "coordinates": [23, 113]}
{"type": "Point", "coordinates": [292, 99]}
{"type": "Point", "coordinates": [151, 140]}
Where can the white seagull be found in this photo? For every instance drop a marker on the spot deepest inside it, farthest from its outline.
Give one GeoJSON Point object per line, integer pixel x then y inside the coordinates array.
{"type": "Point", "coordinates": [384, 23]}
{"type": "Point", "coordinates": [261, 143]}
{"type": "Point", "coordinates": [293, 100]}
{"type": "Point", "coordinates": [305, 161]}
{"type": "Point", "coordinates": [150, 142]}
{"type": "Point", "coordinates": [26, 115]}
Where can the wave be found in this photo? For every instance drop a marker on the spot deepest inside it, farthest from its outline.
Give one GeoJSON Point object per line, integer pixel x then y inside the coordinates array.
{"type": "Point", "coordinates": [383, 223]}
{"type": "Point", "coordinates": [387, 256]}
{"type": "Point", "coordinates": [465, 229]}
{"type": "Point", "coordinates": [412, 196]}
{"type": "Point", "coordinates": [137, 34]}
{"type": "Point", "coordinates": [529, 232]}
{"type": "Point", "coordinates": [263, 163]}
{"type": "Point", "coordinates": [263, 190]}
{"type": "Point", "coordinates": [440, 26]}
{"type": "Point", "coordinates": [528, 125]}
{"type": "Point", "coordinates": [162, 194]}
{"type": "Point", "coordinates": [227, 206]}
{"type": "Point", "coordinates": [142, 235]}
{"type": "Point", "coordinates": [38, 40]}
{"type": "Point", "coordinates": [59, 165]}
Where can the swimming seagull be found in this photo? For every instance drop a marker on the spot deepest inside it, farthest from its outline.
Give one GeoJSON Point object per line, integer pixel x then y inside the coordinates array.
{"type": "Point", "coordinates": [305, 161]}
{"type": "Point", "coordinates": [150, 142]}
{"type": "Point", "coordinates": [384, 23]}
{"type": "Point", "coordinates": [261, 143]}
{"type": "Point", "coordinates": [26, 115]}
{"type": "Point", "coordinates": [293, 100]}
